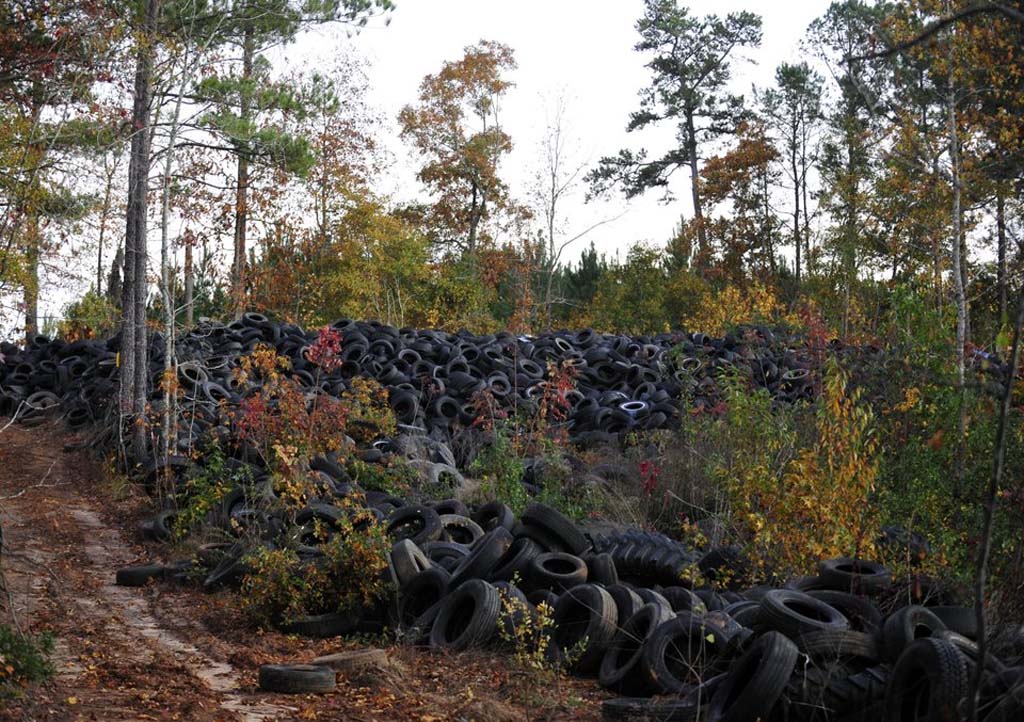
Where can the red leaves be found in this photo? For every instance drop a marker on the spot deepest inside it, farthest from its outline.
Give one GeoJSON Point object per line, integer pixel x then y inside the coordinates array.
{"type": "Point", "coordinates": [325, 351]}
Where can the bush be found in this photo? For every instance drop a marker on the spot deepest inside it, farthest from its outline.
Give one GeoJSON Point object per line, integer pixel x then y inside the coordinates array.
{"type": "Point", "coordinates": [349, 577]}
{"type": "Point", "coordinates": [23, 659]}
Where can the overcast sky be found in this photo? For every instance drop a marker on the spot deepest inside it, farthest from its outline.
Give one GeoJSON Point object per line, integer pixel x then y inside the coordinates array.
{"type": "Point", "coordinates": [580, 48]}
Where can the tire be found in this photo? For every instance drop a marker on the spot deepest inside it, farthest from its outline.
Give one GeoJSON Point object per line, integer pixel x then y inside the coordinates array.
{"type": "Point", "coordinates": [406, 560]}
{"type": "Point", "coordinates": [450, 506]}
{"type": "Point", "coordinates": [627, 602]}
{"type": "Point", "coordinates": [620, 667]}
{"type": "Point", "coordinates": [483, 557]}
{"type": "Point", "coordinates": [601, 569]}
{"type": "Point", "coordinates": [585, 615]}
{"type": "Point", "coordinates": [679, 649]}
{"type": "Point", "coordinates": [460, 529]}
{"type": "Point", "coordinates": [858, 576]}
{"type": "Point", "coordinates": [138, 576]}
{"type": "Point", "coordinates": [297, 678]}
{"type": "Point", "coordinates": [494, 514]}
{"type": "Point", "coordinates": [858, 691]}
{"type": "Point", "coordinates": [649, 596]}
{"type": "Point", "coordinates": [961, 620]}
{"type": "Point", "coordinates": [421, 524]}
{"type": "Point", "coordinates": [516, 611]}
{"type": "Point", "coordinates": [756, 681]}
{"type": "Point", "coordinates": [515, 562]}
{"type": "Point", "coordinates": [557, 571]}
{"type": "Point", "coordinates": [726, 564]}
{"type": "Point", "coordinates": [795, 613]}
{"type": "Point", "coordinates": [440, 551]}
{"type": "Point", "coordinates": [467, 618]}
{"type": "Point", "coordinates": [904, 626]}
{"type": "Point", "coordinates": [421, 593]}
{"type": "Point", "coordinates": [642, 708]}
{"type": "Point", "coordinates": [322, 626]}
{"type": "Point", "coordinates": [862, 614]}
{"type": "Point", "coordinates": [554, 525]}
{"type": "Point", "coordinates": [928, 683]}
{"type": "Point", "coordinates": [830, 646]}
{"type": "Point", "coordinates": [683, 600]}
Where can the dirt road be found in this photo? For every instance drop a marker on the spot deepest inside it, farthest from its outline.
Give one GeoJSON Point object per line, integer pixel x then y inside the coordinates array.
{"type": "Point", "coordinates": [168, 653]}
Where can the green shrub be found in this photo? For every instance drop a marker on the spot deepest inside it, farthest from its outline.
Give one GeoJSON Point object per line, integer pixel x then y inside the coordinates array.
{"type": "Point", "coordinates": [23, 659]}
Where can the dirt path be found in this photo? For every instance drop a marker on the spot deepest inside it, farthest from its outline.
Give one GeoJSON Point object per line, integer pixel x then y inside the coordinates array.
{"type": "Point", "coordinates": [115, 659]}
{"type": "Point", "coordinates": [173, 653]}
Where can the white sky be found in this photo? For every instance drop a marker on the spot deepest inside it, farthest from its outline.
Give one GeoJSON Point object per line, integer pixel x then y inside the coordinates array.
{"type": "Point", "coordinates": [581, 48]}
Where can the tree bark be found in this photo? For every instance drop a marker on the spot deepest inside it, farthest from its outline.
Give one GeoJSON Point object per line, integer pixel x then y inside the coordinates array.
{"type": "Point", "coordinates": [796, 211]}
{"type": "Point", "coordinates": [30, 296]}
{"type": "Point", "coordinates": [1001, 251]}
{"type": "Point", "coordinates": [134, 346]}
{"type": "Point", "coordinates": [189, 286]}
{"type": "Point", "coordinates": [698, 212]}
{"type": "Point", "coordinates": [959, 294]}
{"type": "Point", "coordinates": [242, 188]}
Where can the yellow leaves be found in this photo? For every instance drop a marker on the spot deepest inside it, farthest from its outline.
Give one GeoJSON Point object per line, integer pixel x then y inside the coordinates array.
{"type": "Point", "coordinates": [72, 700]}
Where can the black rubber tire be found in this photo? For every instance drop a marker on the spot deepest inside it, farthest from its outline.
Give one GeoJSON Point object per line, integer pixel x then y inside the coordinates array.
{"type": "Point", "coordinates": [904, 626]}
{"type": "Point", "coordinates": [494, 514]}
{"type": "Point", "coordinates": [406, 560]}
{"type": "Point", "coordinates": [421, 593]}
{"type": "Point", "coordinates": [585, 613]}
{"type": "Point", "coordinates": [795, 613]}
{"type": "Point", "coordinates": [684, 600]}
{"type": "Point", "coordinates": [627, 602]}
{"type": "Point", "coordinates": [515, 562]}
{"type": "Point", "coordinates": [857, 576]}
{"type": "Point", "coordinates": [481, 560]}
{"type": "Point", "coordinates": [862, 614]}
{"type": "Point", "coordinates": [649, 596]}
{"type": "Point", "coordinates": [679, 648]}
{"type": "Point", "coordinates": [1010, 708]}
{"type": "Point", "coordinates": [421, 524]}
{"type": "Point", "coordinates": [727, 564]}
{"type": "Point", "coordinates": [467, 618]}
{"type": "Point", "coordinates": [322, 626]}
{"type": "Point", "coordinates": [450, 506]}
{"type": "Point", "coordinates": [620, 667]}
{"type": "Point", "coordinates": [961, 620]}
{"type": "Point", "coordinates": [516, 611]}
{"type": "Point", "coordinates": [601, 569]}
{"type": "Point", "coordinates": [556, 570]}
{"type": "Point", "coordinates": [230, 571]}
{"type": "Point", "coordinates": [648, 710]}
{"type": "Point", "coordinates": [828, 645]}
{"type": "Point", "coordinates": [929, 683]}
{"type": "Point", "coordinates": [297, 678]}
{"type": "Point", "coordinates": [712, 600]}
{"type": "Point", "coordinates": [553, 524]}
{"type": "Point", "coordinates": [858, 691]}
{"type": "Point", "coordinates": [137, 576]}
{"type": "Point", "coordinates": [439, 551]}
{"type": "Point", "coordinates": [460, 529]}
{"type": "Point", "coordinates": [755, 681]}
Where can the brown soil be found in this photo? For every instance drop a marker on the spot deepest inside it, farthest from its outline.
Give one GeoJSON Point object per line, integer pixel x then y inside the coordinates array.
{"type": "Point", "coordinates": [167, 652]}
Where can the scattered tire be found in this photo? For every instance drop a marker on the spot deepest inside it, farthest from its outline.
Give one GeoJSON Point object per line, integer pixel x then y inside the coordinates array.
{"type": "Point", "coordinates": [297, 678]}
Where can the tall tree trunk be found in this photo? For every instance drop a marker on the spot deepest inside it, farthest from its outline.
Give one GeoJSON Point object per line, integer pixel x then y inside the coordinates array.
{"type": "Point", "coordinates": [796, 213]}
{"type": "Point", "coordinates": [189, 286]}
{"type": "Point", "coordinates": [134, 346]}
{"type": "Point", "coordinates": [242, 188]}
{"type": "Point", "coordinates": [169, 430]}
{"type": "Point", "coordinates": [108, 192]}
{"type": "Point", "coordinates": [698, 211]}
{"type": "Point", "coordinates": [30, 296]}
{"type": "Point", "coordinates": [1001, 251]}
{"type": "Point", "coordinates": [990, 502]}
{"type": "Point", "coordinates": [959, 295]}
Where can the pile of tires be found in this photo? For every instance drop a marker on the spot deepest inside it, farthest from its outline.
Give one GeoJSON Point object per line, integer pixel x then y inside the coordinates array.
{"type": "Point", "coordinates": [622, 383]}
